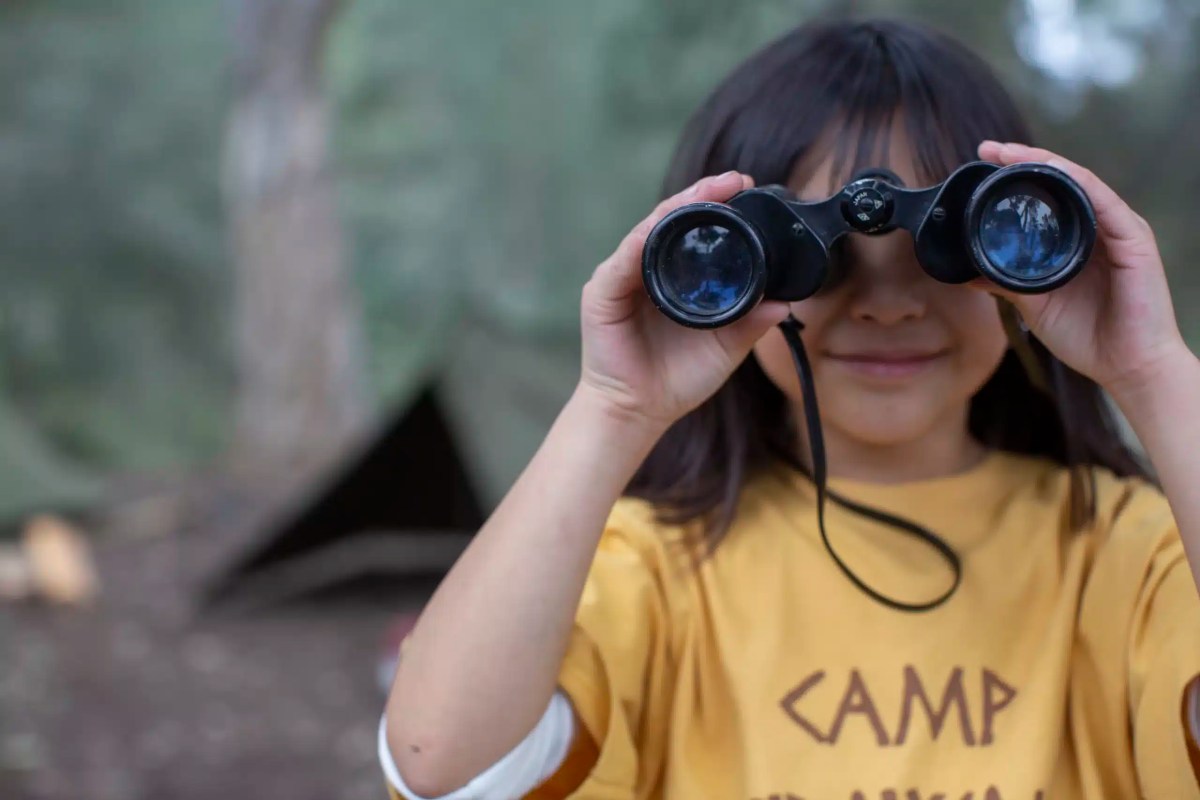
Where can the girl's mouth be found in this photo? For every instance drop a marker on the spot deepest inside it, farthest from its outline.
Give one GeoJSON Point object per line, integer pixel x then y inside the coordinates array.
{"type": "Point", "coordinates": [890, 365]}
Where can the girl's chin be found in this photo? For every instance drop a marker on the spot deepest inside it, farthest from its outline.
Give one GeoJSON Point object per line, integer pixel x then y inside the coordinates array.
{"type": "Point", "coordinates": [882, 424]}
{"type": "Point", "coordinates": [875, 436]}
{"type": "Point", "coordinates": [881, 416]}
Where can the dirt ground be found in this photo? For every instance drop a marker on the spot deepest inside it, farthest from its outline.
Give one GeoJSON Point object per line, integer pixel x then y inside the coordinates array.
{"type": "Point", "coordinates": [143, 697]}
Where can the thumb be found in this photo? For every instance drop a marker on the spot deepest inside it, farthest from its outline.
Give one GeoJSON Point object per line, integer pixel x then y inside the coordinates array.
{"type": "Point", "coordinates": [738, 338]}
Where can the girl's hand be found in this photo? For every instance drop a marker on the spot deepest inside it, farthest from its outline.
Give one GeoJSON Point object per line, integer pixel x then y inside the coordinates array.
{"type": "Point", "coordinates": [1114, 321]}
{"type": "Point", "coordinates": [641, 365]}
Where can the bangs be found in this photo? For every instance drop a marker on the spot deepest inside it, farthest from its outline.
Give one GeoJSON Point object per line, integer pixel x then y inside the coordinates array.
{"type": "Point", "coordinates": [864, 139]}
{"type": "Point", "coordinates": [839, 89]}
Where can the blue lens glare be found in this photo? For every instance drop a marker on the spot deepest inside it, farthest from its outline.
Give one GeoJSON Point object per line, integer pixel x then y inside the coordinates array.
{"type": "Point", "coordinates": [706, 270]}
{"type": "Point", "coordinates": [1023, 232]}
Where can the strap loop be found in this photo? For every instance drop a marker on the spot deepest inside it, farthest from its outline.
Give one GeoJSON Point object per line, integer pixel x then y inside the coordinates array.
{"type": "Point", "coordinates": [791, 328]}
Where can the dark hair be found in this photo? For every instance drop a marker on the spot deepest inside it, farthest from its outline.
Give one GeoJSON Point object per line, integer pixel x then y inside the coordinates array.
{"type": "Point", "coordinates": [766, 118]}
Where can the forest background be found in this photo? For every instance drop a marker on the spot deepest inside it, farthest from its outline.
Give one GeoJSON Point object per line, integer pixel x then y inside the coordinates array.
{"type": "Point", "coordinates": [460, 168]}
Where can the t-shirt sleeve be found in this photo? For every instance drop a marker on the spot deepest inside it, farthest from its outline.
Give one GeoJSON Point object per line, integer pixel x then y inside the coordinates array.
{"type": "Point", "coordinates": [1164, 659]}
{"type": "Point", "coordinates": [1138, 649]}
{"type": "Point", "coordinates": [617, 670]}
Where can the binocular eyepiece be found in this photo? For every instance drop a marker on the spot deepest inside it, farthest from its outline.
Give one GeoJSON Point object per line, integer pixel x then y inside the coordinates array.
{"type": "Point", "coordinates": [1026, 227]}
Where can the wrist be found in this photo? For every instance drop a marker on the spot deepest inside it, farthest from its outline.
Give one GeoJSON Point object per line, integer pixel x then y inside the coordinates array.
{"type": "Point", "coordinates": [1160, 386]}
{"type": "Point", "coordinates": [616, 423]}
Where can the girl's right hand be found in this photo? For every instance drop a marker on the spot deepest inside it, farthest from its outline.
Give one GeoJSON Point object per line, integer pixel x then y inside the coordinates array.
{"type": "Point", "coordinates": [639, 363]}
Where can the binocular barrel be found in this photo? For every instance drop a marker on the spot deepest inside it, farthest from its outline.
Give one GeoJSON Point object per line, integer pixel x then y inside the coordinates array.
{"type": "Point", "coordinates": [1026, 227]}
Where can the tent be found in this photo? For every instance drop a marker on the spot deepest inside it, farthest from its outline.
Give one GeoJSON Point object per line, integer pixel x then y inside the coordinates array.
{"type": "Point", "coordinates": [394, 512]}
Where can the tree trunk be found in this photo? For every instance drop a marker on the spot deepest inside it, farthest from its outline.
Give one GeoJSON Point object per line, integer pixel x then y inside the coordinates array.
{"type": "Point", "coordinates": [298, 326]}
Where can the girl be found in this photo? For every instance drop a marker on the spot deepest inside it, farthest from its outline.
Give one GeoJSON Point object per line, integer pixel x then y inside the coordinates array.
{"type": "Point", "coordinates": [651, 612]}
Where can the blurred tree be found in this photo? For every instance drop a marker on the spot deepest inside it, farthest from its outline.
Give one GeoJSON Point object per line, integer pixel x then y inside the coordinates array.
{"type": "Point", "coordinates": [298, 346]}
{"type": "Point", "coordinates": [113, 291]}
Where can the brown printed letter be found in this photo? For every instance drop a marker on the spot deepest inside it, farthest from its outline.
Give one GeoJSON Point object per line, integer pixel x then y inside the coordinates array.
{"type": "Point", "coordinates": [857, 700]}
{"type": "Point", "coordinates": [993, 704]}
{"type": "Point", "coordinates": [790, 700]}
{"type": "Point", "coordinates": [953, 694]}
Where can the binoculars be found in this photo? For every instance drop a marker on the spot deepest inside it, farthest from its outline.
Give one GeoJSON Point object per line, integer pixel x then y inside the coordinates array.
{"type": "Point", "coordinates": [1027, 227]}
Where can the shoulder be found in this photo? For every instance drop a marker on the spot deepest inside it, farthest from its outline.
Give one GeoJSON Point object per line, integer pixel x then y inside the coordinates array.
{"type": "Point", "coordinates": [1134, 542]}
{"type": "Point", "coordinates": [1129, 523]}
{"type": "Point", "coordinates": [639, 553]}
{"type": "Point", "coordinates": [635, 530]}
{"type": "Point", "coordinates": [1132, 515]}
{"type": "Point", "coordinates": [1119, 561]}
{"type": "Point", "coordinates": [1126, 508]}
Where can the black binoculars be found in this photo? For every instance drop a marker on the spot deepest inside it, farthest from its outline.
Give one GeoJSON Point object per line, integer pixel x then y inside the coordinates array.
{"type": "Point", "coordinates": [1027, 227]}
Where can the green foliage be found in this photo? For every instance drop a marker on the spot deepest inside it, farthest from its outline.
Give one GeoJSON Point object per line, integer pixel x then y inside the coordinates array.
{"type": "Point", "coordinates": [488, 155]}
{"type": "Point", "coordinates": [112, 318]}
{"type": "Point", "coordinates": [492, 157]}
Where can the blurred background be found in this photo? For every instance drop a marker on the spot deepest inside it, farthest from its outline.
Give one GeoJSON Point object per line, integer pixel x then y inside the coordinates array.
{"type": "Point", "coordinates": [288, 296]}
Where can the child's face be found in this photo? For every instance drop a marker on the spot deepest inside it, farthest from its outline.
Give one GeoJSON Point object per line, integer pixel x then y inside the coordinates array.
{"type": "Point", "coordinates": [896, 355]}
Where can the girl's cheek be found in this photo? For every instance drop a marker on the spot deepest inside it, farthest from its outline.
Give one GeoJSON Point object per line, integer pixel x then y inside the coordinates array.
{"type": "Point", "coordinates": [981, 337]}
{"type": "Point", "coordinates": [814, 312]}
{"type": "Point", "coordinates": [985, 324]}
{"type": "Point", "coordinates": [776, 361]}
{"type": "Point", "coordinates": [971, 313]}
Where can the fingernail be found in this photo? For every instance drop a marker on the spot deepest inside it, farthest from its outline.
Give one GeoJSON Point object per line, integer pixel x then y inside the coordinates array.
{"type": "Point", "coordinates": [724, 176]}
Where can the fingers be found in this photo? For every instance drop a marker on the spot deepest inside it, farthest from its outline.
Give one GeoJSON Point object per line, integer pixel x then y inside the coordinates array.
{"type": "Point", "coordinates": [716, 189]}
{"type": "Point", "coordinates": [621, 273]}
{"type": "Point", "coordinates": [1116, 220]}
{"type": "Point", "coordinates": [991, 151]}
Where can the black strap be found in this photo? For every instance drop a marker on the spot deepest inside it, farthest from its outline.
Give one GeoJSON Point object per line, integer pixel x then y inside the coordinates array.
{"type": "Point", "coordinates": [791, 328]}
{"type": "Point", "coordinates": [1019, 341]}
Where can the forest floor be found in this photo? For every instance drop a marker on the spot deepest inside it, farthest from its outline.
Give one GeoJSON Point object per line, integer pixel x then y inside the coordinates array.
{"type": "Point", "coordinates": [141, 696]}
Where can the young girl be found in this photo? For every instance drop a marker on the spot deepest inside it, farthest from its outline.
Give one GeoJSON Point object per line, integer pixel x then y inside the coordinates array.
{"type": "Point", "coordinates": [651, 611]}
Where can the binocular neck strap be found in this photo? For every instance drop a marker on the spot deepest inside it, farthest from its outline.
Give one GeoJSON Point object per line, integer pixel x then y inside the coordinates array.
{"type": "Point", "coordinates": [1018, 339]}
{"type": "Point", "coordinates": [791, 328]}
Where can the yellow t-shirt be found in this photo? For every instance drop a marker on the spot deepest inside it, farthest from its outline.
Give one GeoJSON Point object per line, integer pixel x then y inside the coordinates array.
{"type": "Point", "coordinates": [1057, 670]}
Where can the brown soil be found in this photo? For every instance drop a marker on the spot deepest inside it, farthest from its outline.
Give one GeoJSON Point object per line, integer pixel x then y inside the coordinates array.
{"type": "Point", "coordinates": [143, 697]}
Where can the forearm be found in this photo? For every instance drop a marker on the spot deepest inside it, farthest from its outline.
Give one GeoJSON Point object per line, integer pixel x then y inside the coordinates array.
{"type": "Point", "coordinates": [483, 660]}
{"type": "Point", "coordinates": [1164, 411]}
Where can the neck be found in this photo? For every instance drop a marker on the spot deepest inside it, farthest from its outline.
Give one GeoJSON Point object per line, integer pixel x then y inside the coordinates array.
{"type": "Point", "coordinates": [945, 450]}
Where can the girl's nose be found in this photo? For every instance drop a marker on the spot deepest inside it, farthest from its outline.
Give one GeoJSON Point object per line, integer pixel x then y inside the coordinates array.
{"type": "Point", "coordinates": [887, 284]}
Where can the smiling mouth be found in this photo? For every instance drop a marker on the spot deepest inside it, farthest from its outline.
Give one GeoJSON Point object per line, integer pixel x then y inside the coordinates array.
{"type": "Point", "coordinates": [887, 365]}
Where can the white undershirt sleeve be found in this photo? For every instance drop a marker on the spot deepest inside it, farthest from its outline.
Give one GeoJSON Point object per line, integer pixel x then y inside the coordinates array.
{"type": "Point", "coordinates": [523, 769]}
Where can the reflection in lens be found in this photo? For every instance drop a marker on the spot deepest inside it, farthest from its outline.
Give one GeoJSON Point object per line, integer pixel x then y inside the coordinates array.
{"type": "Point", "coordinates": [1024, 233]}
{"type": "Point", "coordinates": [706, 270]}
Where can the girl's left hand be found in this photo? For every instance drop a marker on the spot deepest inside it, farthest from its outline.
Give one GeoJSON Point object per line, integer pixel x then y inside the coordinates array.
{"type": "Point", "coordinates": [1114, 321]}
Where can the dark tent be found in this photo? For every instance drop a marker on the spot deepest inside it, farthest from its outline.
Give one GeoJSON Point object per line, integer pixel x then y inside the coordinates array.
{"type": "Point", "coordinates": [402, 506]}
{"type": "Point", "coordinates": [395, 511]}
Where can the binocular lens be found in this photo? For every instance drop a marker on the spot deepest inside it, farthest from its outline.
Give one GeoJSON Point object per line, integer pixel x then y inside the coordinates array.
{"type": "Point", "coordinates": [706, 270]}
{"type": "Point", "coordinates": [1026, 233]}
